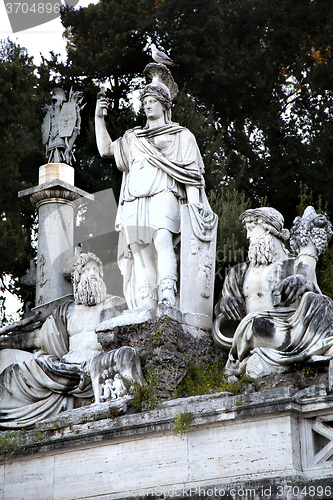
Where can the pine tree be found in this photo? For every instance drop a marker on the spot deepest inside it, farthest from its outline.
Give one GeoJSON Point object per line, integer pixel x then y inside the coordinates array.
{"type": "Point", "coordinates": [20, 156]}
{"type": "Point", "coordinates": [266, 68]}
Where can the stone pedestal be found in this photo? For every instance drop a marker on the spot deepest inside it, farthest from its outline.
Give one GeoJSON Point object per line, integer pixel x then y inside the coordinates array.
{"type": "Point", "coordinates": [274, 444]}
{"type": "Point", "coordinates": [165, 345]}
{"type": "Point", "coordinates": [54, 197]}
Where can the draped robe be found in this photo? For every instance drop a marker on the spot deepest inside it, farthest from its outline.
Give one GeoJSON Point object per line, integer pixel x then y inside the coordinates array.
{"type": "Point", "coordinates": [304, 333]}
{"type": "Point", "coordinates": [40, 386]}
{"type": "Point", "coordinates": [153, 188]}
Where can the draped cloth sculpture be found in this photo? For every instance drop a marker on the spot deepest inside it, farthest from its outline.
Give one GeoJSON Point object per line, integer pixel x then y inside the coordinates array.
{"type": "Point", "coordinates": [40, 385]}
{"type": "Point", "coordinates": [283, 317]}
{"type": "Point", "coordinates": [36, 385]}
{"type": "Point", "coordinates": [153, 189]}
{"type": "Point", "coordinates": [162, 169]}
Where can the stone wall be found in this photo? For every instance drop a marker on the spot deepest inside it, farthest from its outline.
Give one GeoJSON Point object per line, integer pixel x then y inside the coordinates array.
{"type": "Point", "coordinates": [260, 445]}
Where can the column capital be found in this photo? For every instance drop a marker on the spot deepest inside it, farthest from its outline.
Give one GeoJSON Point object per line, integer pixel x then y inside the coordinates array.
{"type": "Point", "coordinates": [54, 191]}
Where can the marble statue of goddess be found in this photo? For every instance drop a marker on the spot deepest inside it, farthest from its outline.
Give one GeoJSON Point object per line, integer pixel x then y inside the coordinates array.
{"type": "Point", "coordinates": [162, 169]}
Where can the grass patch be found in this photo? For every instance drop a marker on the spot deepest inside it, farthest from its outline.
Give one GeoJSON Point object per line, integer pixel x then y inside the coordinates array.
{"type": "Point", "coordinates": [10, 441]}
{"type": "Point", "coordinates": [308, 369]}
{"type": "Point", "coordinates": [145, 397]}
{"type": "Point", "coordinates": [182, 423]}
{"type": "Point", "coordinates": [203, 378]}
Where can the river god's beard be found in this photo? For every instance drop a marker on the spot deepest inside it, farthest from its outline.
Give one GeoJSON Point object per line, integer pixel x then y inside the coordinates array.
{"type": "Point", "coordinates": [261, 251]}
{"type": "Point", "coordinates": [90, 292]}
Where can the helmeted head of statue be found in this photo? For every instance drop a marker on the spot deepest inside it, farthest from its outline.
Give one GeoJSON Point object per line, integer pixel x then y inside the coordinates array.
{"type": "Point", "coordinates": [160, 92]}
{"type": "Point", "coordinates": [161, 86]}
{"type": "Point", "coordinates": [58, 96]}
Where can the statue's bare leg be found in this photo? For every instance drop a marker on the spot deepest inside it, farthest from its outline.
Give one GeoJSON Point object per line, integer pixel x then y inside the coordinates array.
{"type": "Point", "coordinates": [167, 266]}
{"type": "Point", "coordinates": [145, 274]}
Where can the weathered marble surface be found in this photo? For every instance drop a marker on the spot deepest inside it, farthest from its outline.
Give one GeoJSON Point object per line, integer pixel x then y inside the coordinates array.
{"type": "Point", "coordinates": [112, 373]}
{"type": "Point", "coordinates": [266, 440]}
{"type": "Point", "coordinates": [277, 311]}
{"type": "Point", "coordinates": [42, 370]}
{"type": "Point", "coordinates": [167, 345]}
{"type": "Point", "coordinates": [162, 170]}
{"type": "Point", "coordinates": [61, 126]}
{"type": "Point", "coordinates": [54, 197]}
{"type": "Point", "coordinates": [53, 171]}
{"type": "Point", "coordinates": [197, 271]}
{"type": "Point", "coordinates": [135, 316]}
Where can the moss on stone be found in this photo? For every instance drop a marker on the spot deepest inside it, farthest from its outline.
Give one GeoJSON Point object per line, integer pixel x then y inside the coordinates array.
{"type": "Point", "coordinates": [182, 423]}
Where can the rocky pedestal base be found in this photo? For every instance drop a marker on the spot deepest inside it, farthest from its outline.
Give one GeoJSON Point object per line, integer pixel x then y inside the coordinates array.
{"type": "Point", "coordinates": [165, 345]}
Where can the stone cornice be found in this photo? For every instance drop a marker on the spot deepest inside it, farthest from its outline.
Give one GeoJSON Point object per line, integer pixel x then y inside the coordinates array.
{"type": "Point", "coordinates": [54, 190]}
{"type": "Point", "coordinates": [97, 423]}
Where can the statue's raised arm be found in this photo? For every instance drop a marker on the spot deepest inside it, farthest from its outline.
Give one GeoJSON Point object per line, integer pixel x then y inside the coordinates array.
{"type": "Point", "coordinates": [103, 139]}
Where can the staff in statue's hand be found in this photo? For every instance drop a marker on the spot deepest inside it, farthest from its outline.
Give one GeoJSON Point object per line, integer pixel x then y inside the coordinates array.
{"type": "Point", "coordinates": [103, 100]}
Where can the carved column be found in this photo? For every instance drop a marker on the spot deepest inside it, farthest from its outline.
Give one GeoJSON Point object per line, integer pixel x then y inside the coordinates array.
{"type": "Point", "coordinates": [54, 198]}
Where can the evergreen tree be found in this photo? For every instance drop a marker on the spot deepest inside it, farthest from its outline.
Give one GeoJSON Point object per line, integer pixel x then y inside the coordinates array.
{"type": "Point", "coordinates": [267, 70]}
{"type": "Point", "coordinates": [262, 72]}
{"type": "Point", "coordinates": [105, 44]}
{"type": "Point", "coordinates": [20, 155]}
{"type": "Point", "coordinates": [200, 121]}
{"type": "Point", "coordinates": [231, 245]}
{"type": "Point", "coordinates": [256, 90]}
